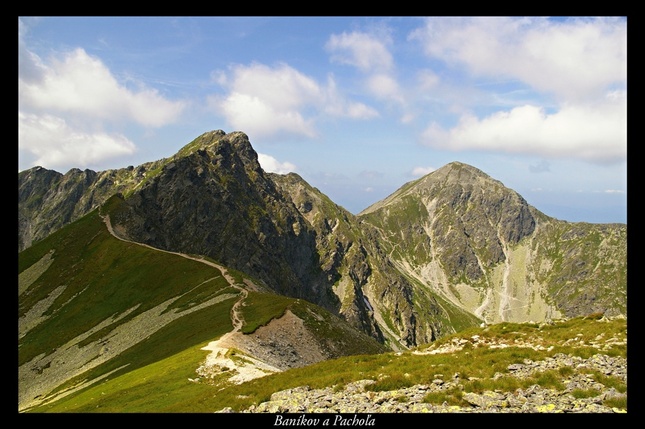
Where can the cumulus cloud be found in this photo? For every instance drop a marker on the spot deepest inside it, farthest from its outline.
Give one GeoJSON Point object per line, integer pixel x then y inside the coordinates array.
{"type": "Point", "coordinates": [594, 132]}
{"type": "Point", "coordinates": [428, 80]}
{"type": "Point", "coordinates": [80, 84]}
{"type": "Point", "coordinates": [579, 65]}
{"type": "Point", "coordinates": [52, 143]}
{"type": "Point", "coordinates": [361, 50]}
{"type": "Point", "coordinates": [338, 106]}
{"type": "Point", "coordinates": [573, 59]}
{"type": "Point", "coordinates": [384, 86]}
{"type": "Point", "coordinates": [272, 165]}
{"type": "Point", "coordinates": [356, 110]}
{"type": "Point", "coordinates": [68, 100]}
{"type": "Point", "coordinates": [370, 54]}
{"type": "Point", "coordinates": [264, 101]}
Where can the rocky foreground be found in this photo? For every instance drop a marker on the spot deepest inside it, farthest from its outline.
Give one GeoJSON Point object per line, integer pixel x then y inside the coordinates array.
{"type": "Point", "coordinates": [354, 398]}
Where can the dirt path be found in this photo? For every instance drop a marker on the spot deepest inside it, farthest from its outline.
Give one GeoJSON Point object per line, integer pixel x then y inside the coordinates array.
{"type": "Point", "coordinates": [221, 358]}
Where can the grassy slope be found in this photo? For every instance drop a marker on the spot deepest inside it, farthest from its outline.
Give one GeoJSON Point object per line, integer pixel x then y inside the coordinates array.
{"type": "Point", "coordinates": [102, 277]}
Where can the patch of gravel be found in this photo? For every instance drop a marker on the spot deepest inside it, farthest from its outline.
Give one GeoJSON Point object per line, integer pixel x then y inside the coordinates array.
{"type": "Point", "coordinates": [282, 344]}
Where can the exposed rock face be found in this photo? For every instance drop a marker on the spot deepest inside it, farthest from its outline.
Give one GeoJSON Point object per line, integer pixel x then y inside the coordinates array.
{"type": "Point", "coordinates": [373, 294]}
{"type": "Point", "coordinates": [442, 253]}
{"type": "Point", "coordinates": [458, 214]}
{"type": "Point", "coordinates": [217, 201]}
{"type": "Point", "coordinates": [483, 248]}
{"type": "Point", "coordinates": [48, 200]}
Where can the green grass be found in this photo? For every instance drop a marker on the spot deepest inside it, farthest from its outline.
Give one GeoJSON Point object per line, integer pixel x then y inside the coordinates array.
{"type": "Point", "coordinates": [162, 386]}
{"type": "Point", "coordinates": [111, 276]}
{"type": "Point", "coordinates": [259, 311]}
{"type": "Point", "coordinates": [585, 393]}
{"type": "Point", "coordinates": [453, 396]}
{"type": "Point", "coordinates": [616, 402]}
{"type": "Point", "coordinates": [392, 381]}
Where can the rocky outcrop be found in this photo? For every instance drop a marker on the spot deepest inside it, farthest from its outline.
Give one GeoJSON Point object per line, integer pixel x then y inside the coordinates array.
{"type": "Point", "coordinates": [558, 383]}
{"type": "Point", "coordinates": [48, 200]}
{"type": "Point", "coordinates": [372, 293]}
{"type": "Point", "coordinates": [216, 201]}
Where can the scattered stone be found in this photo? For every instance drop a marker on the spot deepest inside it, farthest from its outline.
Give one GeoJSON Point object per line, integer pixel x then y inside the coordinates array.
{"type": "Point", "coordinates": [534, 399]}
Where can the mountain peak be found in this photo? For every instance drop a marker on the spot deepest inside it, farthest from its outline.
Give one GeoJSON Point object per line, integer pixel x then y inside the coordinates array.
{"type": "Point", "coordinates": [210, 139]}
{"type": "Point", "coordinates": [460, 172]}
{"type": "Point", "coordinates": [225, 147]}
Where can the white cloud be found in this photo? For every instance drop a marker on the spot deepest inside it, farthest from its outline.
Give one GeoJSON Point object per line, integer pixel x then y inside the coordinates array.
{"type": "Point", "coordinates": [369, 53]}
{"type": "Point", "coordinates": [336, 105]}
{"type": "Point", "coordinates": [66, 102]}
{"type": "Point", "coordinates": [385, 86]}
{"type": "Point", "coordinates": [257, 117]}
{"type": "Point", "coordinates": [428, 80]}
{"type": "Point", "coordinates": [361, 50]}
{"type": "Point", "coordinates": [359, 111]}
{"type": "Point", "coordinates": [82, 85]}
{"type": "Point", "coordinates": [272, 165]}
{"type": "Point", "coordinates": [264, 101]}
{"type": "Point", "coordinates": [573, 59]}
{"type": "Point", "coordinates": [53, 144]}
{"type": "Point", "coordinates": [594, 132]}
{"type": "Point", "coordinates": [422, 171]}
{"type": "Point", "coordinates": [614, 191]}
{"type": "Point", "coordinates": [580, 63]}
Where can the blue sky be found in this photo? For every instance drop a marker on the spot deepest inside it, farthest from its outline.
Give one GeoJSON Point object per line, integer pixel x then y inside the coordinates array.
{"type": "Point", "coordinates": [357, 106]}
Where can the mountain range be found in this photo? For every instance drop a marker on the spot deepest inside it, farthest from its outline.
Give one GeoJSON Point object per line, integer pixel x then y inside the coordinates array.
{"type": "Point", "coordinates": [112, 263]}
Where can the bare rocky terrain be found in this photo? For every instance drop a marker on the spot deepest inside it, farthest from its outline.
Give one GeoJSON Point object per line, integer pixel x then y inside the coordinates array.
{"type": "Point", "coordinates": [355, 398]}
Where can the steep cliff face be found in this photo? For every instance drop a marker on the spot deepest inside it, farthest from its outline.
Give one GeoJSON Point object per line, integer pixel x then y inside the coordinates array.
{"type": "Point", "coordinates": [340, 250]}
{"type": "Point", "coordinates": [481, 246]}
